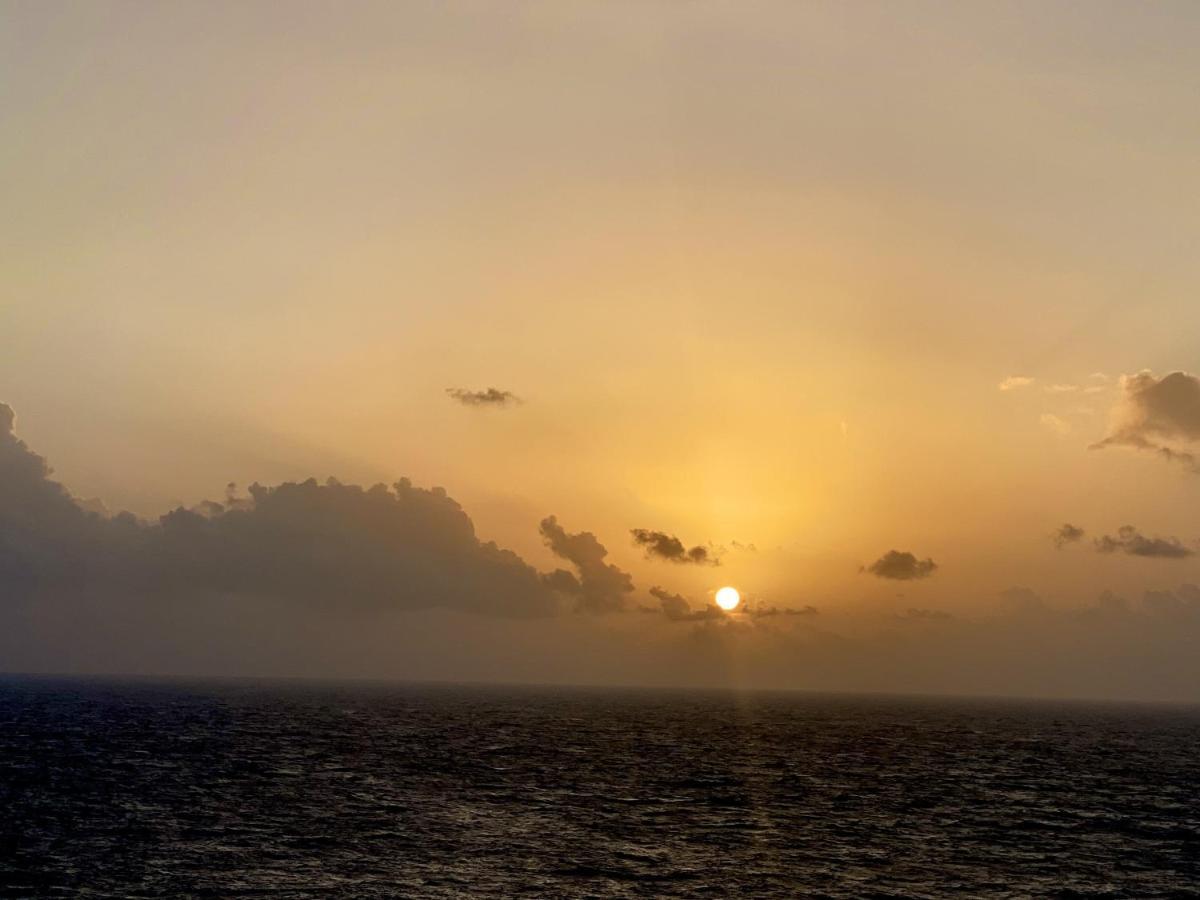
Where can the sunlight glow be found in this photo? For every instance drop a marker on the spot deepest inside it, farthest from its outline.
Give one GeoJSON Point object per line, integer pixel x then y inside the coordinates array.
{"type": "Point", "coordinates": [728, 598]}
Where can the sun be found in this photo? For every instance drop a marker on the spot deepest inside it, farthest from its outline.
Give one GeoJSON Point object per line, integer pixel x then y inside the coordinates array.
{"type": "Point", "coordinates": [728, 598]}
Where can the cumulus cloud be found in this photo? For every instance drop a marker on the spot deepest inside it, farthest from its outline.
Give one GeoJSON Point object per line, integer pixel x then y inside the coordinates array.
{"type": "Point", "coordinates": [600, 587]}
{"type": "Point", "coordinates": [1015, 382]}
{"type": "Point", "coordinates": [1131, 541]}
{"type": "Point", "coordinates": [312, 544]}
{"type": "Point", "coordinates": [492, 397]}
{"type": "Point", "coordinates": [1067, 534]}
{"type": "Point", "coordinates": [901, 566]}
{"type": "Point", "coordinates": [1158, 414]}
{"type": "Point", "coordinates": [660, 545]}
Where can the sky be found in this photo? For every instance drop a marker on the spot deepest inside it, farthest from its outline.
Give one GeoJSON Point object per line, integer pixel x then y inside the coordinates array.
{"type": "Point", "coordinates": [886, 308]}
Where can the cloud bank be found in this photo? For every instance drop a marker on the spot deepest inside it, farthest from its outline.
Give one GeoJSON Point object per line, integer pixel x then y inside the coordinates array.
{"type": "Point", "coordinates": [328, 579]}
{"type": "Point", "coordinates": [390, 547]}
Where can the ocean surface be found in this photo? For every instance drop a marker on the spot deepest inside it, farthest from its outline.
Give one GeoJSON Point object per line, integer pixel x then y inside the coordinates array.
{"type": "Point", "coordinates": [232, 789]}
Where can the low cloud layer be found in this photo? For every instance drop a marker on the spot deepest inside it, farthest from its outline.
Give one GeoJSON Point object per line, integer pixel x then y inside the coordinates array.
{"type": "Point", "coordinates": [1132, 542]}
{"type": "Point", "coordinates": [328, 579]}
{"type": "Point", "coordinates": [492, 397]}
{"type": "Point", "coordinates": [1067, 534]}
{"type": "Point", "coordinates": [1161, 415]}
{"type": "Point", "coordinates": [901, 566]}
{"type": "Point", "coordinates": [323, 544]}
{"type": "Point", "coordinates": [660, 545]}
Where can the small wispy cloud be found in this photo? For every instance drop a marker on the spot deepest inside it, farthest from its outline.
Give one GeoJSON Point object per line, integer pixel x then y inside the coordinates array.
{"type": "Point", "coordinates": [1015, 382]}
{"type": "Point", "coordinates": [1063, 388]}
{"type": "Point", "coordinates": [1055, 423]}
{"type": "Point", "coordinates": [492, 397]}
{"type": "Point", "coordinates": [1067, 534]}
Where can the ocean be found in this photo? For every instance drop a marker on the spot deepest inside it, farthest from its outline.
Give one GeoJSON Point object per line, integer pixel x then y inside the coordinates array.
{"type": "Point", "coordinates": [119, 788]}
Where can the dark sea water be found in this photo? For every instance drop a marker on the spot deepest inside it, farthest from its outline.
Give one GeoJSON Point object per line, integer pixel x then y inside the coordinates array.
{"type": "Point", "coordinates": [128, 789]}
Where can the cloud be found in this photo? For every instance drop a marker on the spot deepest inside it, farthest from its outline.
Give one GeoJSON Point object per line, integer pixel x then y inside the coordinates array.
{"type": "Point", "coordinates": [660, 545]}
{"type": "Point", "coordinates": [492, 397]}
{"type": "Point", "coordinates": [900, 566]}
{"type": "Point", "coordinates": [1157, 414]}
{"type": "Point", "coordinates": [676, 607]}
{"type": "Point", "coordinates": [1067, 534]}
{"type": "Point", "coordinates": [1130, 541]}
{"type": "Point", "coordinates": [44, 532]}
{"type": "Point", "coordinates": [1061, 388]}
{"type": "Point", "coordinates": [310, 544]}
{"type": "Point", "coordinates": [1015, 382]}
{"type": "Point", "coordinates": [1055, 423]}
{"type": "Point", "coordinates": [600, 587]}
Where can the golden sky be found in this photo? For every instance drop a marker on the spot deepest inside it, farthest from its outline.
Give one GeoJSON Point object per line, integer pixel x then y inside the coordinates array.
{"type": "Point", "coordinates": [756, 271]}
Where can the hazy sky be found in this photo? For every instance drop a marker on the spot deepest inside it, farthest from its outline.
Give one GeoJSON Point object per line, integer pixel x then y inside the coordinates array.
{"type": "Point", "coordinates": [831, 280]}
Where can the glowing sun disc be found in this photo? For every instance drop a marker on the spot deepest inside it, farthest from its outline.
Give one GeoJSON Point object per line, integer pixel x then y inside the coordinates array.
{"type": "Point", "coordinates": [728, 598]}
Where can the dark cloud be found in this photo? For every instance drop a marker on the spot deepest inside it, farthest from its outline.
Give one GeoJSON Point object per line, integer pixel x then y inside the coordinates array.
{"type": "Point", "coordinates": [1158, 414]}
{"type": "Point", "coordinates": [676, 607]}
{"type": "Point", "coordinates": [492, 397]}
{"type": "Point", "coordinates": [1129, 540]}
{"type": "Point", "coordinates": [600, 587]}
{"type": "Point", "coordinates": [43, 531]}
{"type": "Point", "coordinates": [397, 547]}
{"type": "Point", "coordinates": [660, 545]}
{"type": "Point", "coordinates": [1067, 534]}
{"type": "Point", "coordinates": [901, 566]}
